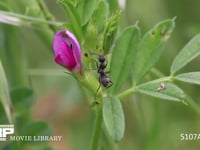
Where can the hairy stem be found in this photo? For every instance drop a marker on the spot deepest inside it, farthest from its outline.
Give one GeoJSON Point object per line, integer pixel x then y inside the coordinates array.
{"type": "Point", "coordinates": [97, 130]}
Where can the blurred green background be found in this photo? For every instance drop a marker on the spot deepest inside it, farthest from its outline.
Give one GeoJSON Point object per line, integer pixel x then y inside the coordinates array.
{"type": "Point", "coordinates": [151, 124]}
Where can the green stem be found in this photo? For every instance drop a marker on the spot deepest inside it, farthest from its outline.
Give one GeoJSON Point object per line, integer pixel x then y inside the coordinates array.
{"type": "Point", "coordinates": [28, 20]}
{"type": "Point", "coordinates": [157, 72]}
{"type": "Point", "coordinates": [193, 104]}
{"type": "Point", "coordinates": [12, 59]}
{"type": "Point", "coordinates": [4, 94]}
{"type": "Point", "coordinates": [132, 89]}
{"type": "Point", "coordinates": [126, 93]}
{"type": "Point", "coordinates": [46, 13]}
{"type": "Point", "coordinates": [90, 82]}
{"type": "Point", "coordinates": [97, 130]}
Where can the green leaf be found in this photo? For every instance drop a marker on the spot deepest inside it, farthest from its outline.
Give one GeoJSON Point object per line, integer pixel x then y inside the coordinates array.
{"type": "Point", "coordinates": [3, 116]}
{"type": "Point", "coordinates": [35, 129]}
{"type": "Point", "coordinates": [94, 29]}
{"type": "Point", "coordinates": [123, 56]}
{"type": "Point", "coordinates": [11, 145]}
{"type": "Point", "coordinates": [4, 94]}
{"type": "Point", "coordinates": [113, 5]}
{"type": "Point", "coordinates": [100, 14]}
{"type": "Point", "coordinates": [150, 48]}
{"type": "Point", "coordinates": [5, 6]}
{"type": "Point", "coordinates": [187, 54]}
{"type": "Point", "coordinates": [169, 92]}
{"type": "Point", "coordinates": [110, 32]}
{"type": "Point", "coordinates": [191, 77]}
{"type": "Point", "coordinates": [113, 116]}
{"type": "Point", "coordinates": [86, 9]}
{"type": "Point", "coordinates": [73, 17]}
{"type": "Point", "coordinates": [22, 98]}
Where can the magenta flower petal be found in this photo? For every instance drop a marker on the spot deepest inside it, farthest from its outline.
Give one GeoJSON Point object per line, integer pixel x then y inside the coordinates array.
{"type": "Point", "coordinates": [67, 50]}
{"type": "Point", "coordinates": [64, 57]}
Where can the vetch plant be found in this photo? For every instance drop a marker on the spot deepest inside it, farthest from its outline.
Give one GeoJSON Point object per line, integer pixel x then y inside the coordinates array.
{"type": "Point", "coordinates": [91, 40]}
{"type": "Point", "coordinates": [129, 57]}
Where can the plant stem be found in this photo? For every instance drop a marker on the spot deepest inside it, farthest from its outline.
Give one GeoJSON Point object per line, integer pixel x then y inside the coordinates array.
{"type": "Point", "coordinates": [28, 20]}
{"type": "Point", "coordinates": [97, 130]}
{"type": "Point", "coordinates": [157, 72]}
{"type": "Point", "coordinates": [46, 13]}
{"type": "Point", "coordinates": [12, 59]}
{"type": "Point", "coordinates": [126, 93]}
{"type": "Point", "coordinates": [193, 104]}
{"type": "Point", "coordinates": [4, 94]}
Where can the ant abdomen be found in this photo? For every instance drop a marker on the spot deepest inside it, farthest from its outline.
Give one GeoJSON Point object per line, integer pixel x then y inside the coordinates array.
{"type": "Point", "coordinates": [106, 82]}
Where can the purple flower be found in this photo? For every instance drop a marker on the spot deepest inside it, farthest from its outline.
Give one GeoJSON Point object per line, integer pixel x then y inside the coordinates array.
{"type": "Point", "coordinates": [67, 50]}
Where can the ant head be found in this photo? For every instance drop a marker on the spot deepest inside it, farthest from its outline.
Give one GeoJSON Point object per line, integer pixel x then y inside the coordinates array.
{"type": "Point", "coordinates": [101, 58]}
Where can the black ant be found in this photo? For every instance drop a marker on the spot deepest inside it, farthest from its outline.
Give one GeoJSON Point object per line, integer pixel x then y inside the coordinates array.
{"type": "Point", "coordinates": [103, 76]}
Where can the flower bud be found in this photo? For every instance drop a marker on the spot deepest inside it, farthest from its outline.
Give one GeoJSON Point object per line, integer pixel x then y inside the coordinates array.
{"type": "Point", "coordinates": [67, 51]}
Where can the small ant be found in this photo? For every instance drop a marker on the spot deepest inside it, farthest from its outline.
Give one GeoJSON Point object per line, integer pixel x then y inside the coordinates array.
{"type": "Point", "coordinates": [103, 76]}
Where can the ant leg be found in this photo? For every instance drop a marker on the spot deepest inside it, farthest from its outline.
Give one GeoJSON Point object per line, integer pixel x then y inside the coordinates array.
{"type": "Point", "coordinates": [106, 64]}
{"type": "Point", "coordinates": [98, 87]}
{"type": "Point", "coordinates": [97, 64]}
{"type": "Point", "coordinates": [97, 90]}
{"type": "Point", "coordinates": [111, 83]}
{"type": "Point", "coordinates": [69, 73]}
